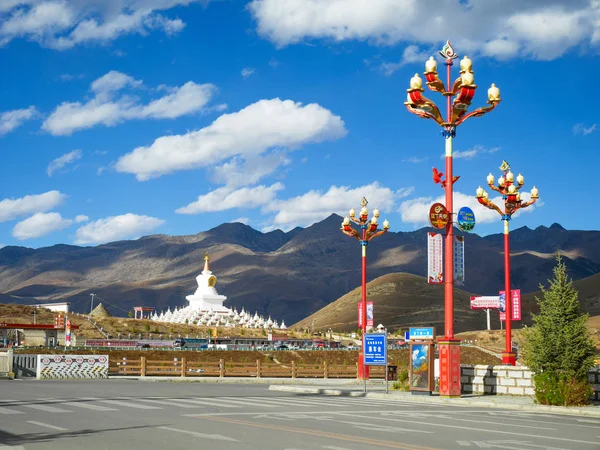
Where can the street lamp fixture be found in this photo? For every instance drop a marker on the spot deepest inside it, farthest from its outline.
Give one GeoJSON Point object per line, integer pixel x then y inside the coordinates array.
{"type": "Point", "coordinates": [509, 189]}
{"type": "Point", "coordinates": [462, 90]}
{"type": "Point", "coordinates": [369, 229]}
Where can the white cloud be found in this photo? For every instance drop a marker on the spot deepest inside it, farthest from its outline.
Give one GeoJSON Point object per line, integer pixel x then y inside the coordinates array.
{"type": "Point", "coordinates": [415, 159]}
{"type": "Point", "coordinates": [416, 211]}
{"type": "Point", "coordinates": [472, 153]}
{"type": "Point", "coordinates": [261, 126]}
{"type": "Point", "coordinates": [126, 226]}
{"type": "Point", "coordinates": [247, 71]}
{"type": "Point", "coordinates": [410, 55]}
{"type": "Point", "coordinates": [10, 120]}
{"type": "Point", "coordinates": [12, 208]}
{"type": "Point", "coordinates": [40, 224]}
{"type": "Point", "coordinates": [583, 130]}
{"type": "Point", "coordinates": [63, 24]}
{"type": "Point", "coordinates": [71, 77]}
{"type": "Point", "coordinates": [242, 172]}
{"type": "Point", "coordinates": [225, 198]}
{"type": "Point", "coordinates": [108, 109]}
{"type": "Point", "coordinates": [496, 28]}
{"type": "Point", "coordinates": [62, 161]}
{"type": "Point", "coordinates": [81, 218]}
{"type": "Point", "coordinates": [243, 220]}
{"type": "Point", "coordinates": [316, 205]}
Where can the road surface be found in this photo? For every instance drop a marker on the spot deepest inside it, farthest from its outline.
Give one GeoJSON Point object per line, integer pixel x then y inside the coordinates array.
{"type": "Point", "coordinates": [138, 415]}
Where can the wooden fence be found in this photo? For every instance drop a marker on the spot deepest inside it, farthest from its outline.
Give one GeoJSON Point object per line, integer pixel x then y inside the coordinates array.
{"type": "Point", "coordinates": [183, 368]}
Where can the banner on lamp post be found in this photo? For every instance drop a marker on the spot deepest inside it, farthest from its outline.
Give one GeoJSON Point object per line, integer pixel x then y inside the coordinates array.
{"type": "Point", "coordinates": [68, 333]}
{"type": "Point", "coordinates": [435, 262]}
{"type": "Point", "coordinates": [516, 305]}
{"type": "Point", "coordinates": [459, 260]}
{"type": "Point", "coordinates": [369, 314]}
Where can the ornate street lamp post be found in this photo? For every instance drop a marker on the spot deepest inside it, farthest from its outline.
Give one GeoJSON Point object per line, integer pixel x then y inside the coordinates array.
{"type": "Point", "coordinates": [463, 88]}
{"type": "Point", "coordinates": [369, 230]}
{"type": "Point", "coordinates": [509, 188]}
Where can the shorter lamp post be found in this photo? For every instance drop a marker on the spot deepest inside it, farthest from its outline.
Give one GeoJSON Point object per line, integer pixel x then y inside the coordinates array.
{"type": "Point", "coordinates": [509, 188]}
{"type": "Point", "coordinates": [369, 230]}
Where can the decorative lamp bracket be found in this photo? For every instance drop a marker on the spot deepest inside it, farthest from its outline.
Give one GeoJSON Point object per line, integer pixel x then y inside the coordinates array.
{"type": "Point", "coordinates": [451, 133]}
{"type": "Point", "coordinates": [364, 243]}
{"type": "Point", "coordinates": [505, 217]}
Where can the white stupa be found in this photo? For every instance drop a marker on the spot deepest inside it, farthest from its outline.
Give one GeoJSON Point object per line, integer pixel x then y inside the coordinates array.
{"type": "Point", "coordinates": [206, 297]}
{"type": "Point", "coordinates": [206, 308]}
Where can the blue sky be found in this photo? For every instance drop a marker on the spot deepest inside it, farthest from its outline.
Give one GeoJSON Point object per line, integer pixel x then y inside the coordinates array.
{"type": "Point", "coordinates": [122, 118]}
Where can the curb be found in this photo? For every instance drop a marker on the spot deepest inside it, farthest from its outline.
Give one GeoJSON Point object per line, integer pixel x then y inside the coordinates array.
{"type": "Point", "coordinates": [588, 411]}
{"type": "Point", "coordinates": [243, 380]}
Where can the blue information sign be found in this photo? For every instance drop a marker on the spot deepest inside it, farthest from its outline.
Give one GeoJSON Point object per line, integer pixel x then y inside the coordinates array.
{"type": "Point", "coordinates": [466, 219]}
{"type": "Point", "coordinates": [375, 350]}
{"type": "Point", "coordinates": [422, 333]}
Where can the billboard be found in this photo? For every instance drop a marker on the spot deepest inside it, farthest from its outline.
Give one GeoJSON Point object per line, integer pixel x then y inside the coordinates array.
{"type": "Point", "coordinates": [485, 302]}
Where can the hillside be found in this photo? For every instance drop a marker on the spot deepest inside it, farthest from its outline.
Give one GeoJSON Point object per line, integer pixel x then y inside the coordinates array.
{"type": "Point", "coordinates": [403, 300]}
{"type": "Point", "coordinates": [286, 275]}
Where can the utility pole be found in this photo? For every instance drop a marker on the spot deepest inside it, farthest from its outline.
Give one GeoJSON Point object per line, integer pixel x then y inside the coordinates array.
{"type": "Point", "coordinates": [92, 304]}
{"type": "Point", "coordinates": [313, 326]}
{"type": "Point", "coordinates": [34, 308]}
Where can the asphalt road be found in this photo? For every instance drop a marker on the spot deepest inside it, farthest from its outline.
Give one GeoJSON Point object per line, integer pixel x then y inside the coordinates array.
{"type": "Point", "coordinates": [136, 415]}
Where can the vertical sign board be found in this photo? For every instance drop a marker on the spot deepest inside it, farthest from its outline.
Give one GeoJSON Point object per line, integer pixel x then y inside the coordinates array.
{"type": "Point", "coordinates": [375, 353]}
{"type": "Point", "coordinates": [459, 260]}
{"type": "Point", "coordinates": [516, 304]}
{"type": "Point", "coordinates": [435, 262]}
{"type": "Point", "coordinates": [422, 349]}
{"type": "Point", "coordinates": [369, 314]}
{"type": "Point", "coordinates": [68, 333]}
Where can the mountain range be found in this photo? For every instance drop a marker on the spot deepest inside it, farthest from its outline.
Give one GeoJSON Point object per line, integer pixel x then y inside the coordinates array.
{"type": "Point", "coordinates": [286, 275]}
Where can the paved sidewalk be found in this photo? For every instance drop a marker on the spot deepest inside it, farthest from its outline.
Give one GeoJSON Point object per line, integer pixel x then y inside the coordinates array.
{"type": "Point", "coordinates": [521, 403]}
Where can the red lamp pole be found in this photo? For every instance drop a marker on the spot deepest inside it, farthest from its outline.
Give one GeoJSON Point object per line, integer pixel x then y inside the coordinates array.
{"type": "Point", "coordinates": [369, 230]}
{"type": "Point", "coordinates": [463, 91]}
{"type": "Point", "coordinates": [509, 188]}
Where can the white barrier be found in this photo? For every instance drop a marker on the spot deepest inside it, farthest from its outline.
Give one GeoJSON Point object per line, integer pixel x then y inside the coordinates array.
{"type": "Point", "coordinates": [72, 366]}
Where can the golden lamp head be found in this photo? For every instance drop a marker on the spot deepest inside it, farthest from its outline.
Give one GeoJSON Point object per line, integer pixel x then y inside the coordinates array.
{"type": "Point", "coordinates": [364, 212]}
{"type": "Point", "coordinates": [386, 224]}
{"type": "Point", "coordinates": [467, 79]}
{"type": "Point", "coordinates": [480, 192]}
{"type": "Point", "coordinates": [535, 193]}
{"type": "Point", "coordinates": [416, 82]}
{"type": "Point", "coordinates": [374, 220]}
{"type": "Point", "coordinates": [466, 65]}
{"type": "Point", "coordinates": [431, 65]}
{"type": "Point", "coordinates": [501, 181]}
{"type": "Point", "coordinates": [510, 177]}
{"type": "Point", "coordinates": [346, 221]}
{"type": "Point", "coordinates": [520, 180]}
{"type": "Point", "coordinates": [485, 196]}
{"type": "Point", "coordinates": [352, 213]}
{"type": "Point", "coordinates": [512, 189]}
{"type": "Point", "coordinates": [490, 179]}
{"type": "Point", "coordinates": [493, 94]}
{"type": "Point", "coordinates": [376, 212]}
{"type": "Point", "coordinates": [518, 197]}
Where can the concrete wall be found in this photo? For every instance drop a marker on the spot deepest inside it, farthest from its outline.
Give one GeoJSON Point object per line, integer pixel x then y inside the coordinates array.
{"type": "Point", "coordinates": [35, 338]}
{"type": "Point", "coordinates": [508, 380]}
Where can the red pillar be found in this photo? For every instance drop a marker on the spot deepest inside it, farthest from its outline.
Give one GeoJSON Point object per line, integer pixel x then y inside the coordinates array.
{"type": "Point", "coordinates": [449, 347]}
{"type": "Point", "coordinates": [508, 357]}
{"type": "Point", "coordinates": [363, 371]}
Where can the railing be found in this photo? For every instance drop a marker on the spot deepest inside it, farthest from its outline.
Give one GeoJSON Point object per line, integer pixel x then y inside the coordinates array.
{"type": "Point", "coordinates": [180, 367]}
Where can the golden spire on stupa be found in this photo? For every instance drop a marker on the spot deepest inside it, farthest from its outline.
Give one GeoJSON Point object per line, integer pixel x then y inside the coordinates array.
{"type": "Point", "coordinates": [206, 260]}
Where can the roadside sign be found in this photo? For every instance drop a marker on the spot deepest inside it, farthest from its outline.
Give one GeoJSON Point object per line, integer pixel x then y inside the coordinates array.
{"type": "Point", "coordinates": [438, 216]}
{"type": "Point", "coordinates": [485, 302]}
{"type": "Point", "coordinates": [465, 219]}
{"type": "Point", "coordinates": [375, 351]}
{"type": "Point", "coordinates": [422, 333]}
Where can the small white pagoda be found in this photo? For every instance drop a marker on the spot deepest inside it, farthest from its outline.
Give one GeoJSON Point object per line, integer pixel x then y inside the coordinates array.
{"type": "Point", "coordinates": [206, 308]}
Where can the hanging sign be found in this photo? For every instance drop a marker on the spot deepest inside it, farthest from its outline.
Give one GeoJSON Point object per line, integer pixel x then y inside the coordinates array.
{"type": "Point", "coordinates": [369, 314]}
{"type": "Point", "coordinates": [68, 333]}
{"type": "Point", "coordinates": [465, 219]}
{"type": "Point", "coordinates": [435, 266]}
{"type": "Point", "coordinates": [438, 216]}
{"type": "Point", "coordinates": [459, 260]}
{"type": "Point", "coordinates": [516, 305]}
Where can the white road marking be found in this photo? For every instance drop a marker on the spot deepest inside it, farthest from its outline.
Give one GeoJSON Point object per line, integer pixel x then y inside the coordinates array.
{"type": "Point", "coordinates": [166, 402]}
{"type": "Point", "coordinates": [597, 422]}
{"type": "Point", "coordinates": [9, 411]}
{"type": "Point", "coordinates": [47, 425]}
{"type": "Point", "coordinates": [128, 404]}
{"type": "Point", "coordinates": [480, 430]}
{"type": "Point", "coordinates": [247, 402]}
{"type": "Point", "coordinates": [47, 408]}
{"type": "Point", "coordinates": [527, 443]}
{"type": "Point", "coordinates": [89, 406]}
{"type": "Point", "coordinates": [464, 443]}
{"type": "Point", "coordinates": [333, 447]}
{"type": "Point", "coordinates": [217, 437]}
{"type": "Point", "coordinates": [207, 402]}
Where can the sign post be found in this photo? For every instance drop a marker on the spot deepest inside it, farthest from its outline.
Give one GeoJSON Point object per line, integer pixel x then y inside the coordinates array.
{"type": "Point", "coordinates": [487, 303]}
{"type": "Point", "coordinates": [422, 349]}
{"type": "Point", "coordinates": [375, 352]}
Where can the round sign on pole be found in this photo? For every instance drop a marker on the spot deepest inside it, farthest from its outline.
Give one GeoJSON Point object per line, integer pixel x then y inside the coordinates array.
{"type": "Point", "coordinates": [465, 219]}
{"type": "Point", "coordinates": [438, 215]}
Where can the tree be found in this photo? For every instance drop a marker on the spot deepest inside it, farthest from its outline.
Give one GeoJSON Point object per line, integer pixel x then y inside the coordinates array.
{"type": "Point", "coordinates": [130, 314]}
{"type": "Point", "coordinates": [558, 348]}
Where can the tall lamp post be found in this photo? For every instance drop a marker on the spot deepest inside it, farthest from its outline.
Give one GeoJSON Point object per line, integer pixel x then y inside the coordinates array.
{"type": "Point", "coordinates": [509, 188]}
{"type": "Point", "coordinates": [463, 88]}
{"type": "Point", "coordinates": [369, 230]}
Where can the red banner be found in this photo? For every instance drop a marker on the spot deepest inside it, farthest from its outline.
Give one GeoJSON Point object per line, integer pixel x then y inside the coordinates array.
{"type": "Point", "coordinates": [369, 314]}
{"type": "Point", "coordinates": [516, 304]}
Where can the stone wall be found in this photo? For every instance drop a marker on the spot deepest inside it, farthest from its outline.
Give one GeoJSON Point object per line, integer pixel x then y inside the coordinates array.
{"type": "Point", "coordinates": [508, 380]}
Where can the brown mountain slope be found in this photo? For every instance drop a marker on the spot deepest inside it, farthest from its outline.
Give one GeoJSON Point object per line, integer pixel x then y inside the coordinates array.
{"type": "Point", "coordinates": [402, 300]}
